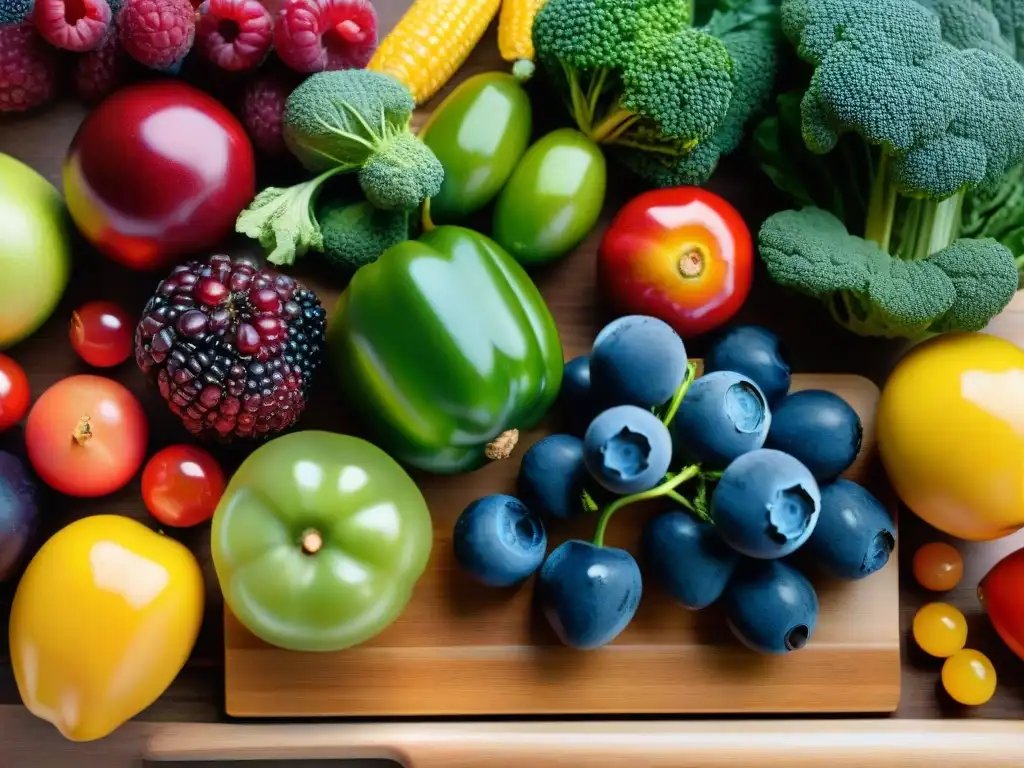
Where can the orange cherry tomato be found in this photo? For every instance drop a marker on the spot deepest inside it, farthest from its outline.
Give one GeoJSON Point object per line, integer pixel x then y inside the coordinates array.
{"type": "Point", "coordinates": [938, 566]}
{"type": "Point", "coordinates": [181, 485]}
{"type": "Point", "coordinates": [86, 436]}
{"type": "Point", "coordinates": [14, 393]}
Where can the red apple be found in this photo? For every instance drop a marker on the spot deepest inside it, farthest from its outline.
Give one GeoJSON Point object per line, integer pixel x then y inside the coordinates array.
{"type": "Point", "coordinates": [1002, 594]}
{"type": "Point", "coordinates": [156, 171]}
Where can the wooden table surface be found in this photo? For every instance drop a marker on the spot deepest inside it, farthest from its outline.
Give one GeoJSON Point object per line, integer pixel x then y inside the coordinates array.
{"type": "Point", "coordinates": [817, 345]}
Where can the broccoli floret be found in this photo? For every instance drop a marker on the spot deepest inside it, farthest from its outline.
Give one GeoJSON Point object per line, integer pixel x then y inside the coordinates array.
{"type": "Point", "coordinates": [343, 121]}
{"type": "Point", "coordinates": [970, 24]}
{"type": "Point", "coordinates": [355, 233]}
{"type": "Point", "coordinates": [984, 274]}
{"type": "Point", "coordinates": [15, 11]}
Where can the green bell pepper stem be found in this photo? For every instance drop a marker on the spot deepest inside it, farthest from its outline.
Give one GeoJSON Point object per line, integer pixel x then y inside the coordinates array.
{"type": "Point", "coordinates": [677, 400]}
{"type": "Point", "coordinates": [657, 491]}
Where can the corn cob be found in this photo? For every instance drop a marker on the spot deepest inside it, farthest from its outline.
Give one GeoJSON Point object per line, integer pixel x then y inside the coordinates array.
{"type": "Point", "coordinates": [431, 41]}
{"type": "Point", "coordinates": [515, 30]}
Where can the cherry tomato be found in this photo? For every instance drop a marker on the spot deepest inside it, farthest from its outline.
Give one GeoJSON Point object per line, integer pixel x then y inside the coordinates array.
{"type": "Point", "coordinates": [969, 677]}
{"type": "Point", "coordinates": [682, 254]}
{"type": "Point", "coordinates": [940, 629]}
{"type": "Point", "coordinates": [181, 485]}
{"type": "Point", "coordinates": [86, 436]}
{"type": "Point", "coordinates": [938, 566]}
{"type": "Point", "coordinates": [14, 393]}
{"type": "Point", "coordinates": [102, 333]}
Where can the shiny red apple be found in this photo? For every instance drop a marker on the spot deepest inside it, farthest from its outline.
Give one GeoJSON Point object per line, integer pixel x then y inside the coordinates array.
{"type": "Point", "coordinates": [156, 171]}
{"type": "Point", "coordinates": [1002, 594]}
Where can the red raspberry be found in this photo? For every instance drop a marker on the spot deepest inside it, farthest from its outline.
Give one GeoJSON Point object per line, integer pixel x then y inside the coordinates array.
{"type": "Point", "coordinates": [263, 110]}
{"type": "Point", "coordinates": [318, 35]}
{"type": "Point", "coordinates": [234, 34]}
{"type": "Point", "coordinates": [157, 33]}
{"type": "Point", "coordinates": [74, 25]}
{"type": "Point", "coordinates": [97, 73]}
{"type": "Point", "coordinates": [28, 68]}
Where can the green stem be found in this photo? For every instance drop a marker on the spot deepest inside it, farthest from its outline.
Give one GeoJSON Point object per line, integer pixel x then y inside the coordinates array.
{"type": "Point", "coordinates": [672, 150]}
{"type": "Point", "coordinates": [600, 132]}
{"type": "Point", "coordinates": [686, 504]}
{"type": "Point", "coordinates": [882, 207]}
{"type": "Point", "coordinates": [657, 491]}
{"type": "Point", "coordinates": [691, 10]}
{"type": "Point", "coordinates": [579, 103]}
{"type": "Point", "coordinates": [945, 223]}
{"type": "Point", "coordinates": [594, 92]}
{"type": "Point", "coordinates": [677, 400]}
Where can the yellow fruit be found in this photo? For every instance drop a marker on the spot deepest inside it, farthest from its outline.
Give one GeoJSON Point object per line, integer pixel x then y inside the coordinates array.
{"type": "Point", "coordinates": [951, 434]}
{"type": "Point", "coordinates": [104, 618]}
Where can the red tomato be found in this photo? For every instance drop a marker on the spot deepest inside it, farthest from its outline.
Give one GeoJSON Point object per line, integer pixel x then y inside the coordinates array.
{"type": "Point", "coordinates": [1002, 594]}
{"type": "Point", "coordinates": [102, 333]}
{"type": "Point", "coordinates": [682, 254]}
{"type": "Point", "coordinates": [86, 436]}
{"type": "Point", "coordinates": [181, 485]}
{"type": "Point", "coordinates": [14, 393]}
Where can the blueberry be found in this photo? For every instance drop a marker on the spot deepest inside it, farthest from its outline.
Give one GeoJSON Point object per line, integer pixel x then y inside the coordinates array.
{"type": "Point", "coordinates": [498, 541]}
{"type": "Point", "coordinates": [766, 504]}
{"type": "Point", "coordinates": [575, 397]}
{"type": "Point", "coordinates": [770, 606]}
{"type": "Point", "coordinates": [755, 352]}
{"type": "Point", "coordinates": [723, 416]}
{"type": "Point", "coordinates": [552, 475]}
{"type": "Point", "coordinates": [854, 535]}
{"type": "Point", "coordinates": [688, 558]}
{"type": "Point", "coordinates": [589, 594]}
{"type": "Point", "coordinates": [627, 449]}
{"type": "Point", "coordinates": [637, 360]}
{"type": "Point", "coordinates": [820, 429]}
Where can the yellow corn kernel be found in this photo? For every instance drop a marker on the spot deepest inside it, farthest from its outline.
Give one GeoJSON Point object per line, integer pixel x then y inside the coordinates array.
{"type": "Point", "coordinates": [515, 28]}
{"type": "Point", "coordinates": [431, 41]}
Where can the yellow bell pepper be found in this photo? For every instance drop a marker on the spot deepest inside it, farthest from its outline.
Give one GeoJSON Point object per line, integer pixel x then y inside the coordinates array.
{"type": "Point", "coordinates": [103, 620]}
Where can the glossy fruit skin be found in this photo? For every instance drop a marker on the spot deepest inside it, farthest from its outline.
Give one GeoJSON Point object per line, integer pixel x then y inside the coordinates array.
{"type": "Point", "coordinates": [181, 485]}
{"type": "Point", "coordinates": [15, 394]}
{"type": "Point", "coordinates": [103, 595]}
{"type": "Point", "coordinates": [552, 476]}
{"type": "Point", "coordinates": [1000, 593]}
{"type": "Point", "coordinates": [746, 509]}
{"type": "Point", "coordinates": [589, 594]}
{"type": "Point", "coordinates": [479, 133]}
{"type": "Point", "coordinates": [939, 629]}
{"type": "Point", "coordinates": [498, 541]}
{"type": "Point", "coordinates": [575, 398]}
{"type": "Point", "coordinates": [636, 360]}
{"type": "Point", "coordinates": [820, 429]}
{"type": "Point", "coordinates": [687, 558]}
{"type": "Point", "coordinates": [35, 253]}
{"type": "Point", "coordinates": [854, 535]}
{"type": "Point", "coordinates": [969, 678]}
{"type": "Point", "coordinates": [19, 513]}
{"type": "Point", "coordinates": [106, 455]}
{"type": "Point", "coordinates": [319, 540]}
{"type": "Point", "coordinates": [552, 200]}
{"type": "Point", "coordinates": [682, 254]}
{"type": "Point", "coordinates": [102, 333]}
{"type": "Point", "coordinates": [158, 170]}
{"type": "Point", "coordinates": [627, 449]}
{"type": "Point", "coordinates": [755, 352]}
{"type": "Point", "coordinates": [473, 353]}
{"type": "Point", "coordinates": [770, 606]}
{"type": "Point", "coordinates": [723, 416]}
{"type": "Point", "coordinates": [938, 566]}
{"type": "Point", "coordinates": [944, 399]}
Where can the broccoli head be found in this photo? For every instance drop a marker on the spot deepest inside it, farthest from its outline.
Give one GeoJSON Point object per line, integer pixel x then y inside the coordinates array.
{"type": "Point", "coordinates": [401, 174]}
{"type": "Point", "coordinates": [355, 233]}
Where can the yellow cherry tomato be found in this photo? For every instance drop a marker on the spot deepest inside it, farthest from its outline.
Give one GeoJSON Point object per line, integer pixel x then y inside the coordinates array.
{"type": "Point", "coordinates": [969, 678]}
{"type": "Point", "coordinates": [951, 434]}
{"type": "Point", "coordinates": [103, 619]}
{"type": "Point", "coordinates": [940, 629]}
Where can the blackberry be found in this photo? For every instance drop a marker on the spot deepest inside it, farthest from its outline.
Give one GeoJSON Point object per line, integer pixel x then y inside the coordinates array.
{"type": "Point", "coordinates": [233, 347]}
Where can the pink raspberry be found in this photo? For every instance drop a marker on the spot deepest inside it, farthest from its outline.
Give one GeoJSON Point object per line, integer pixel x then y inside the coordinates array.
{"type": "Point", "coordinates": [97, 73]}
{"type": "Point", "coordinates": [74, 25]}
{"type": "Point", "coordinates": [318, 35]}
{"type": "Point", "coordinates": [28, 68]}
{"type": "Point", "coordinates": [157, 33]}
{"type": "Point", "coordinates": [234, 34]}
{"type": "Point", "coordinates": [263, 110]}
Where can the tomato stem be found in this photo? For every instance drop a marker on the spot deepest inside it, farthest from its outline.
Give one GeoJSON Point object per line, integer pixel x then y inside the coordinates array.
{"type": "Point", "coordinates": [83, 431]}
{"type": "Point", "coordinates": [691, 263]}
{"type": "Point", "coordinates": [312, 542]}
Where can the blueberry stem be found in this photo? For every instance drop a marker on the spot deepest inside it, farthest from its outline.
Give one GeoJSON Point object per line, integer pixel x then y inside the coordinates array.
{"type": "Point", "coordinates": [686, 504]}
{"type": "Point", "coordinates": [677, 399]}
{"type": "Point", "coordinates": [657, 491]}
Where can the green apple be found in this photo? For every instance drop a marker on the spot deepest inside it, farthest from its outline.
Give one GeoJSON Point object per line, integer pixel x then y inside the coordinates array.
{"type": "Point", "coordinates": [35, 250]}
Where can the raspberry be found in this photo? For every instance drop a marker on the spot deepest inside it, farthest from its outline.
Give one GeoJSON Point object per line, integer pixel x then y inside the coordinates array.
{"type": "Point", "coordinates": [28, 68]}
{"type": "Point", "coordinates": [14, 11]}
{"type": "Point", "coordinates": [234, 34]}
{"type": "Point", "coordinates": [157, 33]}
{"type": "Point", "coordinates": [97, 73]}
{"type": "Point", "coordinates": [318, 35]}
{"type": "Point", "coordinates": [263, 110]}
{"type": "Point", "coordinates": [232, 347]}
{"type": "Point", "coordinates": [74, 25]}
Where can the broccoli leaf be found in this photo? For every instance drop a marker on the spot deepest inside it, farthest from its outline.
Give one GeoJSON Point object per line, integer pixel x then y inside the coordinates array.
{"type": "Point", "coordinates": [984, 274]}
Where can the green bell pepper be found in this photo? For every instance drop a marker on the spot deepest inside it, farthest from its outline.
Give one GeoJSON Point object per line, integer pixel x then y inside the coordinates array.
{"type": "Point", "coordinates": [445, 349]}
{"type": "Point", "coordinates": [319, 540]}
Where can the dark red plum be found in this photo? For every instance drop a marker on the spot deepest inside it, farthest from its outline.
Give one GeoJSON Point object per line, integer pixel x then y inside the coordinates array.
{"type": "Point", "coordinates": [19, 513]}
{"type": "Point", "coordinates": [498, 541]}
{"type": "Point", "coordinates": [552, 476]}
{"type": "Point", "coordinates": [820, 429]}
{"type": "Point", "coordinates": [636, 360]}
{"type": "Point", "coordinates": [758, 354]}
{"type": "Point", "coordinates": [855, 534]}
{"type": "Point", "coordinates": [770, 606]}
